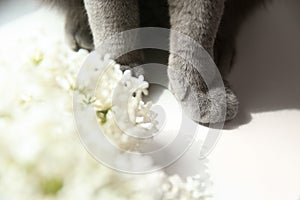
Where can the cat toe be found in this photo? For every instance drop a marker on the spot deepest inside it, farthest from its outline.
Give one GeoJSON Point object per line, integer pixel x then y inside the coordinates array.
{"type": "Point", "coordinates": [203, 106]}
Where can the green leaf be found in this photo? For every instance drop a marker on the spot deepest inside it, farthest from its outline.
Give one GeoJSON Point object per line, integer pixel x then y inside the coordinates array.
{"type": "Point", "coordinates": [51, 186]}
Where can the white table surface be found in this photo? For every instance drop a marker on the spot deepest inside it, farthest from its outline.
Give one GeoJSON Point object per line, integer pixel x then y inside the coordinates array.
{"type": "Point", "coordinates": [258, 157]}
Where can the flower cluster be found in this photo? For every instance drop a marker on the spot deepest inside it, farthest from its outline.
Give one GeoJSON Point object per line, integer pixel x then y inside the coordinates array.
{"type": "Point", "coordinates": [41, 156]}
{"type": "Point", "coordinates": [119, 105]}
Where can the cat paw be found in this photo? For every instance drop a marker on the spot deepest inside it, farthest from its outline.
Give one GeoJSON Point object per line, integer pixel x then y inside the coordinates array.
{"type": "Point", "coordinates": [77, 30]}
{"type": "Point", "coordinates": [201, 105]}
{"type": "Point", "coordinates": [232, 103]}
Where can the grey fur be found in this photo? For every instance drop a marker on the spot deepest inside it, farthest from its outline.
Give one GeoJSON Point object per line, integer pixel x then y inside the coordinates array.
{"type": "Point", "coordinates": [77, 30]}
{"type": "Point", "coordinates": [105, 23]}
{"type": "Point", "coordinates": [62, 4]}
{"type": "Point", "coordinates": [200, 24]}
{"type": "Point", "coordinates": [202, 20]}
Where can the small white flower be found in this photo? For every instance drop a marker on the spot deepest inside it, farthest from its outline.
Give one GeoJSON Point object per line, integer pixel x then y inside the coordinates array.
{"type": "Point", "coordinates": [41, 157]}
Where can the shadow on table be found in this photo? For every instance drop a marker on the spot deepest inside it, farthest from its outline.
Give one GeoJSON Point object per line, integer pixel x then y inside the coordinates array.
{"type": "Point", "coordinates": [266, 76]}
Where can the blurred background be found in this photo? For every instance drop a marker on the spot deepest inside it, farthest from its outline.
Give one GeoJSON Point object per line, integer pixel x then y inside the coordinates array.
{"type": "Point", "coordinates": [257, 157]}
{"type": "Point", "coordinates": [12, 9]}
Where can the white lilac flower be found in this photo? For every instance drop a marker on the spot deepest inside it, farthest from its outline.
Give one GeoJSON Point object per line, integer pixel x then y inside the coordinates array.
{"type": "Point", "coordinates": [41, 156]}
{"type": "Point", "coordinates": [118, 99]}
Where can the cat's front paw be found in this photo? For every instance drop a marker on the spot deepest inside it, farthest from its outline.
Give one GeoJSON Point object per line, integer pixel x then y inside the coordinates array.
{"type": "Point", "coordinates": [201, 105]}
{"type": "Point", "coordinates": [77, 30]}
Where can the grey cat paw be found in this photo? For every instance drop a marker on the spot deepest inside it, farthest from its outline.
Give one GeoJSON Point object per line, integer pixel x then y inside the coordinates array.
{"type": "Point", "coordinates": [232, 102]}
{"type": "Point", "coordinates": [199, 104]}
{"type": "Point", "coordinates": [77, 30]}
